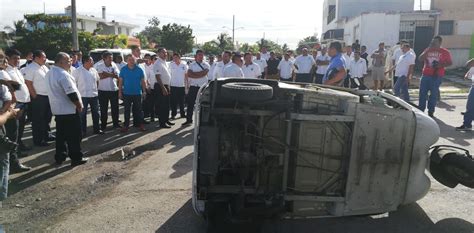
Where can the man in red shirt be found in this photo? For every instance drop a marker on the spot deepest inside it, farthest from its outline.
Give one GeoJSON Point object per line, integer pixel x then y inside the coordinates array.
{"type": "Point", "coordinates": [435, 60]}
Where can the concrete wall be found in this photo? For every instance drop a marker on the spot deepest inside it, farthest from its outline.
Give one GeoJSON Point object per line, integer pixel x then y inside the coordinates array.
{"type": "Point", "coordinates": [372, 29]}
{"type": "Point", "coordinates": [90, 26]}
{"type": "Point", "coordinates": [351, 8]}
{"type": "Point", "coordinates": [459, 56]}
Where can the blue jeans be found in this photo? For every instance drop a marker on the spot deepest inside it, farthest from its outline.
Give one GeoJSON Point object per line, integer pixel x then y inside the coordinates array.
{"type": "Point", "coordinates": [94, 103]}
{"type": "Point", "coordinates": [134, 102]}
{"type": "Point", "coordinates": [402, 86]}
{"type": "Point", "coordinates": [4, 170]}
{"type": "Point", "coordinates": [429, 84]}
{"type": "Point", "coordinates": [469, 115]}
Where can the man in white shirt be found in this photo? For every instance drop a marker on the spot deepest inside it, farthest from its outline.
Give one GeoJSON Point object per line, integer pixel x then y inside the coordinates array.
{"type": "Point", "coordinates": [286, 68]}
{"type": "Point", "coordinates": [14, 127]}
{"type": "Point", "coordinates": [397, 53]}
{"type": "Point", "coordinates": [348, 56]}
{"type": "Point", "coordinates": [264, 53]}
{"type": "Point", "coordinates": [322, 62]}
{"type": "Point", "coordinates": [219, 70]}
{"type": "Point", "coordinates": [108, 90]}
{"type": "Point", "coordinates": [213, 64]}
{"type": "Point", "coordinates": [250, 69]}
{"type": "Point", "coordinates": [358, 70]}
{"type": "Point", "coordinates": [234, 69]}
{"type": "Point", "coordinates": [35, 80]}
{"type": "Point", "coordinates": [403, 71]}
{"type": "Point", "coordinates": [87, 80]}
{"type": "Point", "coordinates": [66, 104]}
{"type": "Point", "coordinates": [304, 64]}
{"type": "Point", "coordinates": [197, 77]}
{"type": "Point", "coordinates": [262, 63]}
{"type": "Point", "coordinates": [162, 73]}
{"type": "Point", "coordinates": [150, 108]}
{"type": "Point", "coordinates": [179, 73]}
{"type": "Point", "coordinates": [469, 114]}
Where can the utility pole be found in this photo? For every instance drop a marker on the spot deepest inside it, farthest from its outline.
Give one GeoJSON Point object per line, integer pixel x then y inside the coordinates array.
{"type": "Point", "coordinates": [233, 29]}
{"type": "Point", "coordinates": [421, 4]}
{"type": "Point", "coordinates": [75, 39]}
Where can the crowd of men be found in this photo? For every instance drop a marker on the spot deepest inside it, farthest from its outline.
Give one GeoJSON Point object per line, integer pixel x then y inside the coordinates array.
{"type": "Point", "coordinates": [153, 88]}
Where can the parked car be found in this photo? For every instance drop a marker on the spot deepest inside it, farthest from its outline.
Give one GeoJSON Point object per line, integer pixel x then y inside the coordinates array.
{"type": "Point", "coordinates": [96, 54]}
{"type": "Point", "coordinates": [265, 148]}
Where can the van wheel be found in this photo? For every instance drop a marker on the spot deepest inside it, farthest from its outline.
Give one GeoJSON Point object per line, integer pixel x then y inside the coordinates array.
{"type": "Point", "coordinates": [461, 168]}
{"type": "Point", "coordinates": [247, 92]}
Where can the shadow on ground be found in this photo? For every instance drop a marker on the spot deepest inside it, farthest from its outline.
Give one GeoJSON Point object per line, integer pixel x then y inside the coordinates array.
{"type": "Point", "coordinates": [44, 167]}
{"type": "Point", "coordinates": [408, 219]}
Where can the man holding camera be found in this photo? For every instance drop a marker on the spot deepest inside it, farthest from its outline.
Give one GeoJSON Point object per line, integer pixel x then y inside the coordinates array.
{"type": "Point", "coordinates": [435, 60]}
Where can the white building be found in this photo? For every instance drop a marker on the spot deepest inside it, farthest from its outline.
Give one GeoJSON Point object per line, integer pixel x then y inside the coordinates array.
{"type": "Point", "coordinates": [375, 21]}
{"type": "Point", "coordinates": [336, 10]}
{"type": "Point", "coordinates": [100, 25]}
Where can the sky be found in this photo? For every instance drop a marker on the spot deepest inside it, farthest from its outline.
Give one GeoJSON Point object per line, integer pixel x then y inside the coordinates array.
{"type": "Point", "coordinates": [280, 21]}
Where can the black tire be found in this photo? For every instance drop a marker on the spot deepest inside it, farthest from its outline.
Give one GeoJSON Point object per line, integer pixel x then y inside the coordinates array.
{"type": "Point", "coordinates": [247, 92]}
{"type": "Point", "coordinates": [461, 167]}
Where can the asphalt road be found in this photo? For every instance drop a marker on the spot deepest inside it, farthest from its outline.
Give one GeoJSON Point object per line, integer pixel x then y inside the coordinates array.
{"type": "Point", "coordinates": [151, 192]}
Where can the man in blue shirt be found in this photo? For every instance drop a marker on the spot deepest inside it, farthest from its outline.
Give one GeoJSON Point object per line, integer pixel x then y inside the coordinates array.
{"type": "Point", "coordinates": [336, 71]}
{"type": "Point", "coordinates": [131, 88]}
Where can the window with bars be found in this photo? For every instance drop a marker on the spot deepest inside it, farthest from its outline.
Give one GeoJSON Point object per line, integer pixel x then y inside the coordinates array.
{"type": "Point", "coordinates": [446, 27]}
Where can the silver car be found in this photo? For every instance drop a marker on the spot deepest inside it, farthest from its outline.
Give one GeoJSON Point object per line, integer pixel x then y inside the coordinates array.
{"type": "Point", "coordinates": [271, 149]}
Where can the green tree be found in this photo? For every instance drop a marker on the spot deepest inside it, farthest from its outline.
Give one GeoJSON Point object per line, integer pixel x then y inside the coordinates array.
{"type": "Point", "coordinates": [246, 47]}
{"type": "Point", "coordinates": [152, 32]}
{"type": "Point", "coordinates": [224, 42]}
{"type": "Point", "coordinates": [307, 42]}
{"type": "Point", "coordinates": [53, 34]}
{"type": "Point", "coordinates": [177, 38]}
{"type": "Point", "coordinates": [210, 47]}
{"type": "Point", "coordinates": [285, 47]}
{"type": "Point", "coordinates": [270, 45]}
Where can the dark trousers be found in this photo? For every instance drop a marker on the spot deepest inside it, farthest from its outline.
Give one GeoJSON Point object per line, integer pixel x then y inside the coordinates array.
{"type": "Point", "coordinates": [104, 98]}
{"type": "Point", "coordinates": [319, 78]}
{"type": "Point", "coordinates": [133, 102]}
{"type": "Point", "coordinates": [93, 102]}
{"type": "Point", "coordinates": [469, 115]}
{"type": "Point", "coordinates": [41, 117]}
{"type": "Point", "coordinates": [14, 131]}
{"type": "Point", "coordinates": [355, 85]}
{"type": "Point", "coordinates": [68, 137]}
{"type": "Point", "coordinates": [150, 100]}
{"type": "Point", "coordinates": [347, 81]}
{"type": "Point", "coordinates": [177, 99]}
{"type": "Point", "coordinates": [162, 104]}
{"type": "Point", "coordinates": [304, 78]}
{"type": "Point", "coordinates": [190, 101]}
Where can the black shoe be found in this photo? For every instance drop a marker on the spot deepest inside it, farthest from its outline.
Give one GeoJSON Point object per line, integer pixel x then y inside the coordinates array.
{"type": "Point", "coordinates": [117, 126]}
{"type": "Point", "coordinates": [17, 168]}
{"type": "Point", "coordinates": [431, 114]}
{"type": "Point", "coordinates": [42, 144]}
{"type": "Point", "coordinates": [51, 138]}
{"type": "Point", "coordinates": [100, 132]}
{"type": "Point", "coordinates": [164, 126]}
{"type": "Point", "coordinates": [183, 116]}
{"type": "Point", "coordinates": [464, 128]}
{"type": "Point", "coordinates": [170, 123]}
{"type": "Point", "coordinates": [23, 147]}
{"type": "Point", "coordinates": [463, 113]}
{"type": "Point", "coordinates": [173, 117]}
{"type": "Point", "coordinates": [187, 123]}
{"type": "Point", "coordinates": [152, 119]}
{"type": "Point", "coordinates": [79, 162]}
